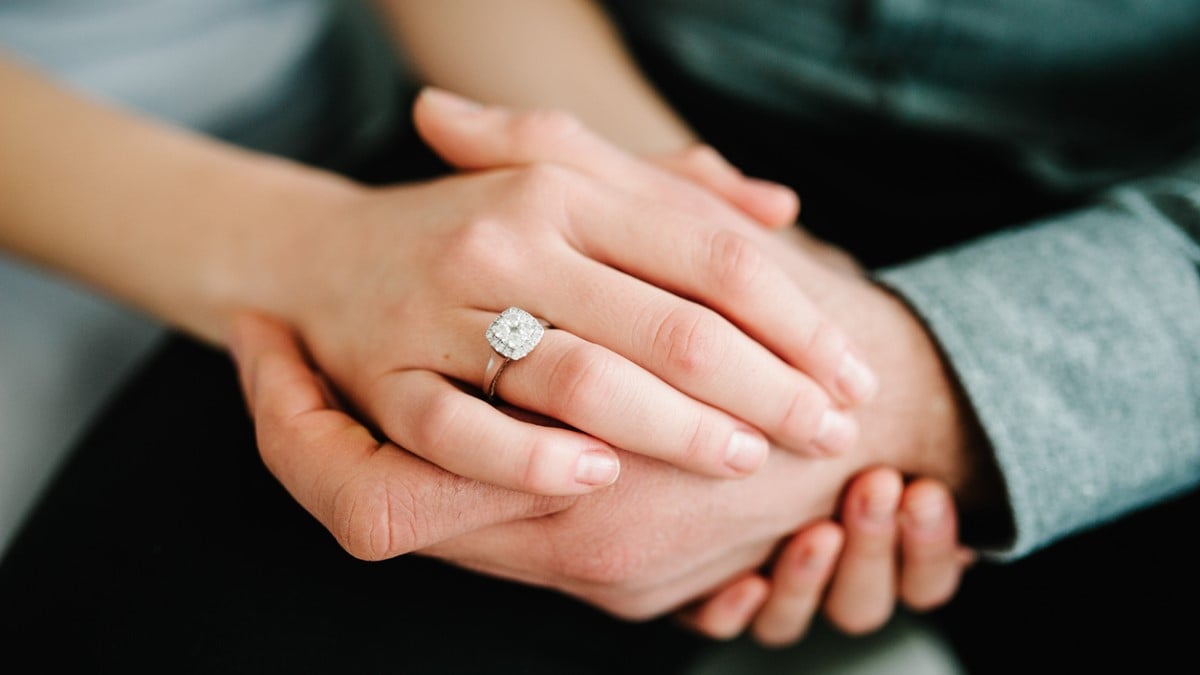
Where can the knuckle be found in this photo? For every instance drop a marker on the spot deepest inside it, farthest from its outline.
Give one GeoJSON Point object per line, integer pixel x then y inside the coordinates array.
{"type": "Point", "coordinates": [734, 263]}
{"type": "Point", "coordinates": [538, 475]}
{"type": "Point", "coordinates": [686, 340]}
{"type": "Point", "coordinates": [700, 450]}
{"type": "Point", "coordinates": [373, 520]}
{"type": "Point", "coordinates": [474, 246]}
{"type": "Point", "coordinates": [544, 129]}
{"type": "Point", "coordinates": [802, 414]}
{"type": "Point", "coordinates": [579, 381]}
{"type": "Point", "coordinates": [824, 343]}
{"type": "Point", "coordinates": [442, 412]}
{"type": "Point", "coordinates": [543, 193]}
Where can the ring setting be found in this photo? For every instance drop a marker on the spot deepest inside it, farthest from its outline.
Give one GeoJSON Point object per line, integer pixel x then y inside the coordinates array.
{"type": "Point", "coordinates": [513, 334]}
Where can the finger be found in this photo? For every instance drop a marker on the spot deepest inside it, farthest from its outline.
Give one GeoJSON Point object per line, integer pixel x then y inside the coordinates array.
{"type": "Point", "coordinates": [726, 614]}
{"type": "Point", "coordinates": [604, 560]}
{"type": "Point", "coordinates": [932, 563]}
{"type": "Point", "coordinates": [724, 270]}
{"type": "Point", "coordinates": [720, 268]}
{"type": "Point", "coordinates": [798, 583]}
{"type": "Point", "coordinates": [702, 354]}
{"type": "Point", "coordinates": [863, 592]}
{"type": "Point", "coordinates": [769, 203]}
{"type": "Point", "coordinates": [436, 420]}
{"type": "Point", "coordinates": [376, 499]}
{"type": "Point", "coordinates": [589, 388]}
{"type": "Point", "coordinates": [471, 136]}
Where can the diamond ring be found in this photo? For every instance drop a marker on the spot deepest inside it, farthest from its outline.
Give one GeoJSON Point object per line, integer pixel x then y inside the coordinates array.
{"type": "Point", "coordinates": [512, 335]}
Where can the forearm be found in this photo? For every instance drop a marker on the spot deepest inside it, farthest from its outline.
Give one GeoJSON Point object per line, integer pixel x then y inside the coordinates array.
{"type": "Point", "coordinates": [178, 225]}
{"type": "Point", "coordinates": [534, 54]}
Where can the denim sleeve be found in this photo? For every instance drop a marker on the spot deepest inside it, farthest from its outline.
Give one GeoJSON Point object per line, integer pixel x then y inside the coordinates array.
{"type": "Point", "coordinates": [1077, 342]}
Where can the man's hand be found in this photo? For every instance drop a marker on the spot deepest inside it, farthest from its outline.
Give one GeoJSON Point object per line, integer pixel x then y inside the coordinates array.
{"type": "Point", "coordinates": [661, 538]}
{"type": "Point", "coordinates": [887, 546]}
{"type": "Point", "coordinates": [653, 542]}
{"type": "Point", "coordinates": [376, 499]}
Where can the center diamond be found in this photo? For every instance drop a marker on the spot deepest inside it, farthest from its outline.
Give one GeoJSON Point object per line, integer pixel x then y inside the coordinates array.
{"type": "Point", "coordinates": [515, 333]}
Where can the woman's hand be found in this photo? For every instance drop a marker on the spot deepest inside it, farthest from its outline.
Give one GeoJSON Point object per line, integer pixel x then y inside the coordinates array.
{"type": "Point", "coordinates": [894, 543]}
{"type": "Point", "coordinates": [672, 337]}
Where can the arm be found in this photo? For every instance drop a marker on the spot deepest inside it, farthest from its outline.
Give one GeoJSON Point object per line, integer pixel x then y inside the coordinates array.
{"type": "Point", "coordinates": [567, 55]}
{"type": "Point", "coordinates": [169, 221]}
{"type": "Point", "coordinates": [537, 53]}
{"type": "Point", "coordinates": [192, 230]}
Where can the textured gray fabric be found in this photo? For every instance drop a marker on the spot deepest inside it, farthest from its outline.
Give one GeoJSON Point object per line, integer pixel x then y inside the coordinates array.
{"type": "Point", "coordinates": [1077, 339]}
{"type": "Point", "coordinates": [1078, 342]}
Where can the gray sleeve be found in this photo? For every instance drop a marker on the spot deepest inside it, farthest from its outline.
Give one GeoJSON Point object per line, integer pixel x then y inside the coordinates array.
{"type": "Point", "coordinates": [1077, 342]}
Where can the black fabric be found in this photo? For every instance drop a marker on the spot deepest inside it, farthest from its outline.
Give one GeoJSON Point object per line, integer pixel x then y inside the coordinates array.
{"type": "Point", "coordinates": [166, 546]}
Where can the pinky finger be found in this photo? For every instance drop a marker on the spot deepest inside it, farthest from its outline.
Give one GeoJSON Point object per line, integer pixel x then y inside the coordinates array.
{"type": "Point", "coordinates": [725, 615]}
{"type": "Point", "coordinates": [801, 575]}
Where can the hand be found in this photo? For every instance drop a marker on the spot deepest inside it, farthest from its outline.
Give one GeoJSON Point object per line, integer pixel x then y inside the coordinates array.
{"type": "Point", "coordinates": [340, 473]}
{"type": "Point", "coordinates": [656, 540]}
{"type": "Point", "coordinates": [389, 314]}
{"type": "Point", "coordinates": [652, 543]}
{"type": "Point", "coordinates": [659, 539]}
{"type": "Point", "coordinates": [854, 571]}
{"type": "Point", "coordinates": [636, 365]}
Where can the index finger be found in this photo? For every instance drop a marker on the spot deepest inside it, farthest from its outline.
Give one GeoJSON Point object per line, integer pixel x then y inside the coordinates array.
{"type": "Point", "coordinates": [376, 499]}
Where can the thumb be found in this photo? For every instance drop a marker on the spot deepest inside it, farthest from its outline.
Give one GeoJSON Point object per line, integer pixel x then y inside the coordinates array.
{"type": "Point", "coordinates": [471, 136]}
{"type": "Point", "coordinates": [468, 135]}
{"type": "Point", "coordinates": [771, 204]}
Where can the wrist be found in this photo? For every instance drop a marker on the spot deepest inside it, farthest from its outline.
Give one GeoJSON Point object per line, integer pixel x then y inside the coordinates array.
{"type": "Point", "coordinates": [277, 255]}
{"type": "Point", "coordinates": [920, 423]}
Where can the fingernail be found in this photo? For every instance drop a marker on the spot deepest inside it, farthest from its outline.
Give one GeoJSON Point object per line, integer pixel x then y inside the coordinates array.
{"type": "Point", "coordinates": [926, 511]}
{"type": "Point", "coordinates": [881, 504]}
{"type": "Point", "coordinates": [810, 559]}
{"type": "Point", "coordinates": [836, 432]}
{"type": "Point", "coordinates": [597, 467]}
{"type": "Point", "coordinates": [449, 103]}
{"type": "Point", "coordinates": [745, 452]}
{"type": "Point", "coordinates": [857, 382]}
{"type": "Point", "coordinates": [742, 602]}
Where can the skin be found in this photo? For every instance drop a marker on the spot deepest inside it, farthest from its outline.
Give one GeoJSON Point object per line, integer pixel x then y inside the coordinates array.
{"type": "Point", "coordinates": [193, 231]}
{"type": "Point", "coordinates": [829, 566]}
{"type": "Point", "coordinates": [196, 232]}
{"type": "Point", "coordinates": [498, 53]}
{"type": "Point", "coordinates": [603, 550]}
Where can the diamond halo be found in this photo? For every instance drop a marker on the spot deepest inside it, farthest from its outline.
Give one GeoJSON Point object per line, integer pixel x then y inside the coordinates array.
{"type": "Point", "coordinates": [515, 333]}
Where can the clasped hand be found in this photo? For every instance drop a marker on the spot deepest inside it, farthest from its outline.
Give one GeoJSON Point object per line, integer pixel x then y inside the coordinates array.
{"type": "Point", "coordinates": [689, 354]}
